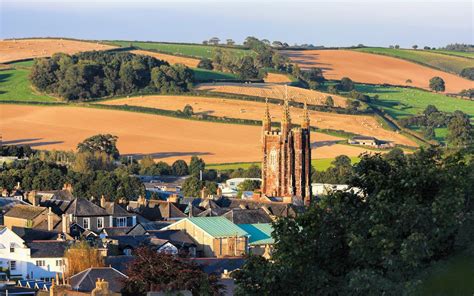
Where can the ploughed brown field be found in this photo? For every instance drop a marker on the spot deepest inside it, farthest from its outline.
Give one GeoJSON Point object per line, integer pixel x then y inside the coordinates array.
{"type": "Point", "coordinates": [172, 59]}
{"type": "Point", "coordinates": [277, 78]}
{"type": "Point", "coordinates": [13, 50]}
{"type": "Point", "coordinates": [168, 139]}
{"type": "Point", "coordinates": [273, 90]}
{"type": "Point", "coordinates": [376, 69]}
{"type": "Point", "coordinates": [358, 124]}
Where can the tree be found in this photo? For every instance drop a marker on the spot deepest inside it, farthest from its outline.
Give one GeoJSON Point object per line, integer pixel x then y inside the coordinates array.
{"type": "Point", "coordinates": [348, 244]}
{"type": "Point", "coordinates": [397, 46]}
{"type": "Point", "coordinates": [277, 44]}
{"type": "Point", "coordinates": [354, 105]}
{"type": "Point", "coordinates": [415, 47]}
{"type": "Point", "coordinates": [430, 109]}
{"type": "Point", "coordinates": [460, 130]}
{"type": "Point", "coordinates": [100, 143]}
{"type": "Point", "coordinates": [346, 84]}
{"type": "Point", "coordinates": [180, 168]}
{"type": "Point", "coordinates": [428, 132]}
{"type": "Point", "coordinates": [188, 110]}
{"type": "Point", "coordinates": [214, 41]}
{"type": "Point", "coordinates": [468, 73]}
{"type": "Point", "coordinates": [247, 69]}
{"type": "Point", "coordinates": [437, 84]}
{"type": "Point", "coordinates": [205, 63]}
{"type": "Point", "coordinates": [248, 185]}
{"type": "Point", "coordinates": [81, 256]}
{"type": "Point", "coordinates": [230, 42]}
{"type": "Point", "coordinates": [253, 171]}
{"type": "Point", "coordinates": [153, 271]}
{"type": "Point", "coordinates": [196, 165]}
{"type": "Point", "coordinates": [192, 186]}
{"type": "Point", "coordinates": [329, 101]}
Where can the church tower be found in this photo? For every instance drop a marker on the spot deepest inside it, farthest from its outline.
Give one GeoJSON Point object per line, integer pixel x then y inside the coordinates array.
{"type": "Point", "coordinates": [286, 163]}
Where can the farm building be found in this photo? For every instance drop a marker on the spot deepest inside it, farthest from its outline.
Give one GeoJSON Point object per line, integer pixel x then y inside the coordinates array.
{"type": "Point", "coordinates": [369, 141]}
{"type": "Point", "coordinates": [215, 236]}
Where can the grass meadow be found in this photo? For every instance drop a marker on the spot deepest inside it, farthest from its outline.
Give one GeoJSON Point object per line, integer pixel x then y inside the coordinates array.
{"type": "Point", "coordinates": [15, 85]}
{"type": "Point", "coordinates": [319, 164]}
{"type": "Point", "coordinates": [206, 75]}
{"type": "Point", "coordinates": [192, 50]}
{"type": "Point", "coordinates": [453, 62]}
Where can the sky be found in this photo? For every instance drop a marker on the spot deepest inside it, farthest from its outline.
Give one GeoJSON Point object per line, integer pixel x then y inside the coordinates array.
{"type": "Point", "coordinates": [329, 23]}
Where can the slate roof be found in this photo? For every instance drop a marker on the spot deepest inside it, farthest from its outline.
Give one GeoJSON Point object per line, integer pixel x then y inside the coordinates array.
{"type": "Point", "coordinates": [276, 208]}
{"type": "Point", "coordinates": [217, 265]}
{"type": "Point", "coordinates": [7, 203]}
{"type": "Point", "coordinates": [62, 194]}
{"type": "Point", "coordinates": [85, 281]}
{"type": "Point", "coordinates": [83, 208]}
{"type": "Point", "coordinates": [120, 263]}
{"type": "Point", "coordinates": [116, 210]}
{"type": "Point", "coordinates": [47, 249]}
{"type": "Point", "coordinates": [57, 206]}
{"type": "Point", "coordinates": [160, 210]}
{"type": "Point", "coordinates": [260, 234]}
{"type": "Point", "coordinates": [176, 237]}
{"type": "Point", "coordinates": [31, 234]}
{"type": "Point", "coordinates": [155, 225]}
{"type": "Point", "coordinates": [216, 226]}
{"type": "Point", "coordinates": [25, 212]}
{"type": "Point", "coordinates": [248, 216]}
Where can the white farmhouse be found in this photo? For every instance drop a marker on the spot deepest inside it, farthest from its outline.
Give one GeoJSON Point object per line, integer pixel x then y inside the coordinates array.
{"type": "Point", "coordinates": [40, 260]}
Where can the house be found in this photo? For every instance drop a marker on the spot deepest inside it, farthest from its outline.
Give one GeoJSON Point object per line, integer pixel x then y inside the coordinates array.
{"type": "Point", "coordinates": [86, 281]}
{"type": "Point", "coordinates": [88, 215]}
{"type": "Point", "coordinates": [214, 236]}
{"type": "Point", "coordinates": [231, 187]}
{"type": "Point", "coordinates": [31, 259]}
{"type": "Point", "coordinates": [31, 216]}
{"type": "Point", "coordinates": [6, 203]}
{"type": "Point", "coordinates": [260, 239]}
{"type": "Point", "coordinates": [156, 210]}
{"type": "Point", "coordinates": [120, 216]}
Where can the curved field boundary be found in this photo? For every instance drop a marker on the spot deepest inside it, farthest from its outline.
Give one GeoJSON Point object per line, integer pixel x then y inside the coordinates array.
{"type": "Point", "coordinates": [375, 69]}
{"type": "Point", "coordinates": [20, 49]}
{"type": "Point", "coordinates": [441, 61]}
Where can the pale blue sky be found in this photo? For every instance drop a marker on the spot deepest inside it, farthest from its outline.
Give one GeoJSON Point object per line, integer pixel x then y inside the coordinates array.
{"type": "Point", "coordinates": [330, 23]}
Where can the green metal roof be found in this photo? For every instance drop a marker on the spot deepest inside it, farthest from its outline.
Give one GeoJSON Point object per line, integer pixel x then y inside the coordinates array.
{"type": "Point", "coordinates": [260, 234]}
{"type": "Point", "coordinates": [217, 226]}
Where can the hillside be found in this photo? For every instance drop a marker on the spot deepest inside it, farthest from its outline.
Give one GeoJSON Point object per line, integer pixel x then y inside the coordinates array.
{"type": "Point", "coordinates": [19, 49]}
{"type": "Point", "coordinates": [375, 69]}
{"type": "Point", "coordinates": [449, 61]}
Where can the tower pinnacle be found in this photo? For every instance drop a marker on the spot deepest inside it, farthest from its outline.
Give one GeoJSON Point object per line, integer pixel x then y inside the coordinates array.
{"type": "Point", "coordinates": [305, 123]}
{"type": "Point", "coordinates": [267, 119]}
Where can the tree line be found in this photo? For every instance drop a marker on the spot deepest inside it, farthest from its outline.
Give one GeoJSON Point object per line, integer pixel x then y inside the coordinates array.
{"type": "Point", "coordinates": [98, 74]}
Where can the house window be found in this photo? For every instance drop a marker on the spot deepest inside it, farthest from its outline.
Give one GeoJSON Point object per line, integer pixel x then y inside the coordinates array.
{"type": "Point", "coordinates": [12, 248]}
{"type": "Point", "coordinates": [100, 222]}
{"type": "Point", "coordinates": [60, 262]}
{"type": "Point", "coordinates": [40, 263]}
{"type": "Point", "coordinates": [86, 223]}
{"type": "Point", "coordinates": [121, 221]}
{"type": "Point", "coordinates": [12, 265]}
{"type": "Point", "coordinates": [127, 252]}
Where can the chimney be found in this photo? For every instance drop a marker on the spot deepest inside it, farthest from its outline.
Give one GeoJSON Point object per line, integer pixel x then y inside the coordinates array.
{"type": "Point", "coordinates": [50, 220]}
{"type": "Point", "coordinates": [204, 193]}
{"type": "Point", "coordinates": [65, 223]}
{"type": "Point", "coordinates": [102, 201]}
{"type": "Point", "coordinates": [68, 187]}
{"type": "Point", "coordinates": [173, 198]}
{"type": "Point", "coordinates": [32, 198]}
{"type": "Point", "coordinates": [219, 192]}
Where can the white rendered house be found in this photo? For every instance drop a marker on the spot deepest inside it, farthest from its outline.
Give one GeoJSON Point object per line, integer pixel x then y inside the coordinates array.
{"type": "Point", "coordinates": [31, 260]}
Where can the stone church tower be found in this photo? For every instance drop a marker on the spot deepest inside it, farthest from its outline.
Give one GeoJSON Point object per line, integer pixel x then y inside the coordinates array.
{"type": "Point", "coordinates": [286, 165]}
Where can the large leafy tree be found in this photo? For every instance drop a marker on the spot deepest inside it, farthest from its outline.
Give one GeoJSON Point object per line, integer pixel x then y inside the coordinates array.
{"type": "Point", "coordinates": [460, 130]}
{"type": "Point", "coordinates": [100, 143]}
{"type": "Point", "coordinates": [437, 84]}
{"type": "Point", "coordinates": [413, 210]}
{"type": "Point", "coordinates": [152, 271]}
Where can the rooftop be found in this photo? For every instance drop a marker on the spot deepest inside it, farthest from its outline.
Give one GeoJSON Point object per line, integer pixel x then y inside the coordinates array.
{"type": "Point", "coordinates": [25, 212]}
{"type": "Point", "coordinates": [260, 234]}
{"type": "Point", "coordinates": [84, 281]}
{"type": "Point", "coordinates": [217, 226]}
{"type": "Point", "coordinates": [84, 208]}
{"type": "Point", "coordinates": [47, 249]}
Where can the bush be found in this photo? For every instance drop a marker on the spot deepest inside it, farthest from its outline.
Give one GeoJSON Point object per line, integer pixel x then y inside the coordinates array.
{"type": "Point", "coordinates": [329, 101]}
{"type": "Point", "coordinates": [437, 84]}
{"type": "Point", "coordinates": [346, 84]}
{"type": "Point", "coordinates": [205, 64]}
{"type": "Point", "coordinates": [468, 73]}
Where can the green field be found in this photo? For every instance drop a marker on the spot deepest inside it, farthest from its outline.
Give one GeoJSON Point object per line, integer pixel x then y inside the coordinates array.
{"type": "Point", "coordinates": [401, 102]}
{"type": "Point", "coordinates": [205, 75]}
{"type": "Point", "coordinates": [15, 86]}
{"type": "Point", "coordinates": [453, 63]}
{"type": "Point", "coordinates": [456, 53]}
{"type": "Point", "coordinates": [319, 164]}
{"type": "Point", "coordinates": [192, 50]}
